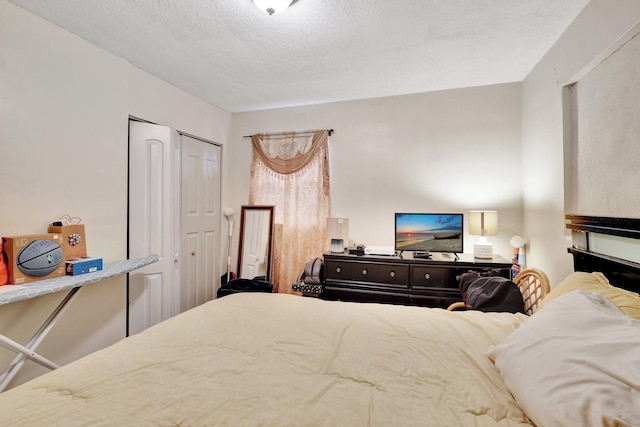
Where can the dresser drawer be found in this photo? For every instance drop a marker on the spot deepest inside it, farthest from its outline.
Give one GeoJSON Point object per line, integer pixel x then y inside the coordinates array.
{"type": "Point", "coordinates": [395, 274]}
{"type": "Point", "coordinates": [338, 292]}
{"type": "Point", "coordinates": [388, 274]}
{"type": "Point", "coordinates": [383, 273]}
{"type": "Point", "coordinates": [364, 272]}
{"type": "Point", "coordinates": [424, 276]}
{"type": "Point", "coordinates": [337, 270]}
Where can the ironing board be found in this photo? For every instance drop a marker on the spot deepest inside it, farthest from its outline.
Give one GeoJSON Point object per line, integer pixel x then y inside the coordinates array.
{"type": "Point", "coordinates": [14, 293]}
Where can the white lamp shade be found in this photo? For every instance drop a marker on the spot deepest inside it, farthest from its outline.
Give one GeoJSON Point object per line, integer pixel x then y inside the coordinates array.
{"type": "Point", "coordinates": [483, 223]}
{"type": "Point", "coordinates": [273, 6]}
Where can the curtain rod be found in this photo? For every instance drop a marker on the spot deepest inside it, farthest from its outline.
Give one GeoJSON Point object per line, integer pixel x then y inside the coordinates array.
{"type": "Point", "coordinates": [329, 131]}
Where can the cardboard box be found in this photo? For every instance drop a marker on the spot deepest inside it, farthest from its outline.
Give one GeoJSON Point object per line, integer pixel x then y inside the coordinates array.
{"type": "Point", "coordinates": [74, 242]}
{"type": "Point", "coordinates": [83, 266]}
{"type": "Point", "coordinates": [13, 245]}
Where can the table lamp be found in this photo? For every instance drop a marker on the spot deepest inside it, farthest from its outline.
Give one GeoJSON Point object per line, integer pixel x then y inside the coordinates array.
{"type": "Point", "coordinates": [483, 223]}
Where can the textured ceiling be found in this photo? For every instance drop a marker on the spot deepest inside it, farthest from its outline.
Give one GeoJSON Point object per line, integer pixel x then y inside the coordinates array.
{"type": "Point", "coordinates": [238, 58]}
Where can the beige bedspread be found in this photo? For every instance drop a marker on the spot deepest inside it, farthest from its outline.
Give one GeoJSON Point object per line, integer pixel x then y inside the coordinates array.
{"type": "Point", "coordinates": [280, 360]}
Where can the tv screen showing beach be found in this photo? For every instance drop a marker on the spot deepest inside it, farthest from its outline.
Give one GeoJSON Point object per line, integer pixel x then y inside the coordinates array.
{"type": "Point", "coordinates": [426, 232]}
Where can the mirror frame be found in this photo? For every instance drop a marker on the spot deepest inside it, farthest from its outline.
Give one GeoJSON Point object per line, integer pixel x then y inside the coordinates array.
{"type": "Point", "coordinates": [244, 209]}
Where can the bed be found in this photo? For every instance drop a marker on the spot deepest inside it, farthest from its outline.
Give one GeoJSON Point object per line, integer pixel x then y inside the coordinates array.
{"type": "Point", "coordinates": [284, 360]}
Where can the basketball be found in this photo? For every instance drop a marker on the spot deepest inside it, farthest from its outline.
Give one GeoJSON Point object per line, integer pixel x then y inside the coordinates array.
{"type": "Point", "coordinates": [39, 258]}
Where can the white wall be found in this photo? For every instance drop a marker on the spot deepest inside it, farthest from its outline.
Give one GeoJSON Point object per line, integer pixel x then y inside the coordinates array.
{"type": "Point", "coordinates": [449, 151]}
{"type": "Point", "coordinates": [64, 108]}
{"type": "Point", "coordinates": [599, 26]}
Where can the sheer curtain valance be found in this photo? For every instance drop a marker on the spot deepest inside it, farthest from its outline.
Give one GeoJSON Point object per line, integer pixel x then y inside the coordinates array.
{"type": "Point", "coordinates": [288, 152]}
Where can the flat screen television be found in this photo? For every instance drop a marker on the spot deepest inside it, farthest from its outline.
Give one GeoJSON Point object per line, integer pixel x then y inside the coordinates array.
{"type": "Point", "coordinates": [429, 232]}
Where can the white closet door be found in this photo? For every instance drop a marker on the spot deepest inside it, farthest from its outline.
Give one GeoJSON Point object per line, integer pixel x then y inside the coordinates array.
{"type": "Point", "coordinates": [200, 237]}
{"type": "Point", "coordinates": [153, 290]}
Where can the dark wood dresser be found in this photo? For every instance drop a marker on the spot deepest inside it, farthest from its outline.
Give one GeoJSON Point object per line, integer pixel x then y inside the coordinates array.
{"type": "Point", "coordinates": [403, 280]}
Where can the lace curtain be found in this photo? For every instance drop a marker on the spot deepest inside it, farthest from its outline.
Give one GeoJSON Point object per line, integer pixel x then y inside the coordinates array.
{"type": "Point", "coordinates": [291, 172]}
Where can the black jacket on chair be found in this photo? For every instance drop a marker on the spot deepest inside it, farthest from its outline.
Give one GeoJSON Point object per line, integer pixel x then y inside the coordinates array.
{"type": "Point", "coordinates": [490, 294]}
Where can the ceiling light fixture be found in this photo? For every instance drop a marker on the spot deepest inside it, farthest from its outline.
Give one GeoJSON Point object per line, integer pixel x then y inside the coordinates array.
{"type": "Point", "coordinates": [273, 6]}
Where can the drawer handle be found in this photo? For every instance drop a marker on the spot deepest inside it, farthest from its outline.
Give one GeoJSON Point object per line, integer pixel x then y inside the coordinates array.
{"type": "Point", "coordinates": [338, 269]}
{"type": "Point", "coordinates": [392, 274]}
{"type": "Point", "coordinates": [364, 272]}
{"type": "Point", "coordinates": [427, 276]}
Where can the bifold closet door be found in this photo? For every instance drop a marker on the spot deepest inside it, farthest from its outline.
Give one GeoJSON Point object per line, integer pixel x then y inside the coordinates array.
{"type": "Point", "coordinates": [200, 237]}
{"type": "Point", "coordinates": [153, 293]}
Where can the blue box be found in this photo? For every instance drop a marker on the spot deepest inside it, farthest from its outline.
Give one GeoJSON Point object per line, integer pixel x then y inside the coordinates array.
{"type": "Point", "coordinates": [83, 266]}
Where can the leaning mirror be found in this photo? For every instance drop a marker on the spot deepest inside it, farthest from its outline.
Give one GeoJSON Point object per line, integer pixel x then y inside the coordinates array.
{"type": "Point", "coordinates": [256, 231]}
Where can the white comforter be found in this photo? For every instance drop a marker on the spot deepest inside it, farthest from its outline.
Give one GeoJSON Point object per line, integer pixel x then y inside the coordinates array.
{"type": "Point", "coordinates": [256, 359]}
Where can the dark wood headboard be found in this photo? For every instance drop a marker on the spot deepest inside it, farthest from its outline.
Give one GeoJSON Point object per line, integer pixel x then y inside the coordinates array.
{"type": "Point", "coordinates": [620, 272]}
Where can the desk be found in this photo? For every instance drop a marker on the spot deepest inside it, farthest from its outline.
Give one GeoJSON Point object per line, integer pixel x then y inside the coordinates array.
{"type": "Point", "coordinates": [14, 293]}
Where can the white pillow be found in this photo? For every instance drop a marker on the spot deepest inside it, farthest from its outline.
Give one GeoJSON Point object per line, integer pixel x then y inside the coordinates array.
{"type": "Point", "coordinates": [596, 282]}
{"type": "Point", "coordinates": [575, 363]}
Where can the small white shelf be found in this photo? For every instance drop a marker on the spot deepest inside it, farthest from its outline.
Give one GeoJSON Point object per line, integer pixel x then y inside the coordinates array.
{"type": "Point", "coordinates": [14, 293]}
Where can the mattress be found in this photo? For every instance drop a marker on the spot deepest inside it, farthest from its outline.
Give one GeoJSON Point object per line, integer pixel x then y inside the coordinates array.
{"type": "Point", "coordinates": [254, 359]}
